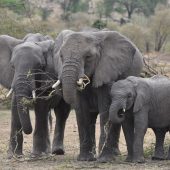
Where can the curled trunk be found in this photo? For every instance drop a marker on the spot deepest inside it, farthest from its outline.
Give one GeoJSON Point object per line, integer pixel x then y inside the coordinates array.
{"type": "Point", "coordinates": [115, 110]}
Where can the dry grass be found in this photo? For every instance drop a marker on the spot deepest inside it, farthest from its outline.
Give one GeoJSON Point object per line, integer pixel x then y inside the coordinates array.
{"type": "Point", "coordinates": [68, 161]}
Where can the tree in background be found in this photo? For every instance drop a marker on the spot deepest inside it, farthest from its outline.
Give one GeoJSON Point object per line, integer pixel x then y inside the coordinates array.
{"type": "Point", "coordinates": [160, 28]}
{"type": "Point", "coordinates": [78, 6]}
{"type": "Point", "coordinates": [129, 5]}
{"type": "Point", "coordinates": [149, 6]}
{"type": "Point", "coordinates": [73, 6]}
{"type": "Point", "coordinates": [100, 9]}
{"type": "Point", "coordinates": [146, 7]}
{"type": "Point", "coordinates": [108, 7]}
{"type": "Point", "coordinates": [101, 12]}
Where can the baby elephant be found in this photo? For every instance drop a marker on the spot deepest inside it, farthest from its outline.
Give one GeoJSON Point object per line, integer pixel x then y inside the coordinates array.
{"type": "Point", "coordinates": [139, 103]}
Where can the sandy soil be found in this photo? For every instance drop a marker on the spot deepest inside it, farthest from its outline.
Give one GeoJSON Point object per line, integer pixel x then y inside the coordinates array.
{"type": "Point", "coordinates": [68, 161]}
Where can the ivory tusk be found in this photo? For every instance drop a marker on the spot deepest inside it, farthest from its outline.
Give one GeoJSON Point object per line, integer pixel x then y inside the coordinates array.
{"type": "Point", "coordinates": [33, 94]}
{"type": "Point", "coordinates": [124, 110]}
{"type": "Point", "coordinates": [9, 93]}
{"type": "Point", "coordinates": [56, 84]}
{"type": "Point", "coordinates": [80, 82]}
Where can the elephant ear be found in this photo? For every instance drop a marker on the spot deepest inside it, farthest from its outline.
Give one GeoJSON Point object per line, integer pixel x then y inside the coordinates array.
{"type": "Point", "coordinates": [142, 96]}
{"type": "Point", "coordinates": [7, 44]}
{"type": "Point", "coordinates": [116, 57]}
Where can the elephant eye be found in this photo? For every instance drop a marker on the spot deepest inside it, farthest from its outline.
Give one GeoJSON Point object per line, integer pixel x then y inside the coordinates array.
{"type": "Point", "coordinates": [129, 95]}
{"type": "Point", "coordinates": [12, 65]}
{"type": "Point", "coordinates": [61, 56]}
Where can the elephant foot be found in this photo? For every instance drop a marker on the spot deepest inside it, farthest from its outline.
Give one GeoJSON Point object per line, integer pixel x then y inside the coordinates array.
{"type": "Point", "coordinates": [158, 158]}
{"type": "Point", "coordinates": [11, 154]}
{"type": "Point", "coordinates": [86, 157]}
{"type": "Point", "coordinates": [106, 158]}
{"type": "Point", "coordinates": [116, 151]}
{"type": "Point", "coordinates": [58, 150]}
{"type": "Point", "coordinates": [138, 160]}
{"type": "Point", "coordinates": [158, 154]}
{"type": "Point", "coordinates": [107, 155]}
{"type": "Point", "coordinates": [129, 159]}
{"type": "Point", "coordinates": [38, 155]}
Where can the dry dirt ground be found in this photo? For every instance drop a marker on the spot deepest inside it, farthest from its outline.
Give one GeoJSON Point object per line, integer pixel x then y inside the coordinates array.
{"type": "Point", "coordinates": [68, 161]}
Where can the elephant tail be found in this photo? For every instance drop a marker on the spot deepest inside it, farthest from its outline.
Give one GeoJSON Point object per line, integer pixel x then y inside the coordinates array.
{"type": "Point", "coordinates": [50, 120]}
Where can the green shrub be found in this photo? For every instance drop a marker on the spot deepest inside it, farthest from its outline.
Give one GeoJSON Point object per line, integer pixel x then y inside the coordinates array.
{"type": "Point", "coordinates": [99, 24]}
{"type": "Point", "coordinates": [160, 28]}
{"type": "Point", "coordinates": [16, 6]}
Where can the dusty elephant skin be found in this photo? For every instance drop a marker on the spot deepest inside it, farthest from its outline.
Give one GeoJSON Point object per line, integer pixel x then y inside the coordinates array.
{"type": "Point", "coordinates": [139, 103]}
{"type": "Point", "coordinates": [23, 63]}
{"type": "Point", "coordinates": [87, 63]}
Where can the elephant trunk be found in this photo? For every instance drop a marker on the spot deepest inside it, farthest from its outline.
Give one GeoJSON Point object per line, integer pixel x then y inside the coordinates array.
{"type": "Point", "coordinates": [117, 113]}
{"type": "Point", "coordinates": [69, 82]}
{"type": "Point", "coordinates": [22, 93]}
{"type": "Point", "coordinates": [24, 116]}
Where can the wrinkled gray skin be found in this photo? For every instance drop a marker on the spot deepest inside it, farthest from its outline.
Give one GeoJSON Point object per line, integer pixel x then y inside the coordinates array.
{"type": "Point", "coordinates": [33, 54]}
{"type": "Point", "coordinates": [103, 56]}
{"type": "Point", "coordinates": [147, 104]}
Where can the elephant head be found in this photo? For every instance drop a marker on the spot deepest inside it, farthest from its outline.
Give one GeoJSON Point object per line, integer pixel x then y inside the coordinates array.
{"type": "Point", "coordinates": [95, 58]}
{"type": "Point", "coordinates": [28, 60]}
{"type": "Point", "coordinates": [37, 37]}
{"type": "Point", "coordinates": [127, 94]}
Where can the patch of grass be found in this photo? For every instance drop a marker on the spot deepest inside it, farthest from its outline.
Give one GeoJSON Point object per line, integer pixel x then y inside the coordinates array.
{"type": "Point", "coordinates": [148, 151]}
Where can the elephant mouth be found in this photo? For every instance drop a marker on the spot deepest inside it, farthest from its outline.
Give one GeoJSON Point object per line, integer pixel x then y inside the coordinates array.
{"type": "Point", "coordinates": [121, 113]}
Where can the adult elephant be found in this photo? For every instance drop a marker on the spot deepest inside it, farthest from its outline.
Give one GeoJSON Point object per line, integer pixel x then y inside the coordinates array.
{"type": "Point", "coordinates": [30, 70]}
{"type": "Point", "coordinates": [88, 63]}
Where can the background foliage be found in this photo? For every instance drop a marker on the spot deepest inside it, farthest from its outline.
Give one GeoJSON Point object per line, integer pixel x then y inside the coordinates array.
{"type": "Point", "coordinates": [147, 23]}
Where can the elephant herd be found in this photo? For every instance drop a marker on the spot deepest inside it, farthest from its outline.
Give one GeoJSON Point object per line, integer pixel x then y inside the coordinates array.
{"type": "Point", "coordinates": [87, 71]}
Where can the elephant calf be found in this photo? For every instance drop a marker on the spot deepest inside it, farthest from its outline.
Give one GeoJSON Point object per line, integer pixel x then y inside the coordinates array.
{"type": "Point", "coordinates": [139, 103]}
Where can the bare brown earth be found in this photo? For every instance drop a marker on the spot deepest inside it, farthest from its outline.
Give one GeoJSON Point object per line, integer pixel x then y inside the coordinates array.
{"type": "Point", "coordinates": [68, 161]}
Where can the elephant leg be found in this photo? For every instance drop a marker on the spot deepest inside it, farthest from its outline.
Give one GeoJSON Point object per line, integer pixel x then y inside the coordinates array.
{"type": "Point", "coordinates": [86, 126]}
{"type": "Point", "coordinates": [128, 130]}
{"type": "Point", "coordinates": [41, 139]}
{"type": "Point", "coordinates": [16, 136]}
{"type": "Point", "coordinates": [140, 127]}
{"type": "Point", "coordinates": [114, 136]}
{"type": "Point", "coordinates": [111, 144]}
{"type": "Point", "coordinates": [61, 113]}
{"type": "Point", "coordinates": [159, 149]}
